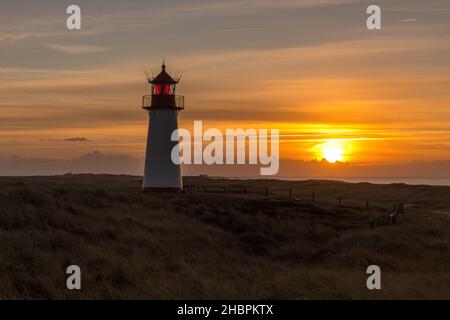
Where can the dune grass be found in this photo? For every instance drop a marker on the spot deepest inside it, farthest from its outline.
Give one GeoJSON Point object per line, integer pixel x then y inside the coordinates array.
{"type": "Point", "coordinates": [220, 245]}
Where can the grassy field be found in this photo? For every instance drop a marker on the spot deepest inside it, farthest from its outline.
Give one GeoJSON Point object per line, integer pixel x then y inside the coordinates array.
{"type": "Point", "coordinates": [215, 244]}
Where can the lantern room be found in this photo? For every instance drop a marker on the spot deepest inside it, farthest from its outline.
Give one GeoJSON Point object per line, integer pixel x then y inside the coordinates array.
{"type": "Point", "coordinates": [162, 95]}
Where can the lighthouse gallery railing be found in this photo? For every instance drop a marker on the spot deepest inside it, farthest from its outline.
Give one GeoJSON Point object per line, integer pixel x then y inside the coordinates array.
{"type": "Point", "coordinates": [147, 102]}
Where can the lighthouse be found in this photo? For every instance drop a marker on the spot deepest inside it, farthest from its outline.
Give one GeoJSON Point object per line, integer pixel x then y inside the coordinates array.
{"type": "Point", "coordinates": [161, 173]}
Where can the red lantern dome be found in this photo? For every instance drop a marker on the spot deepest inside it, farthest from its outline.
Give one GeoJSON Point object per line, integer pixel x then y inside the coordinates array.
{"type": "Point", "coordinates": [163, 92]}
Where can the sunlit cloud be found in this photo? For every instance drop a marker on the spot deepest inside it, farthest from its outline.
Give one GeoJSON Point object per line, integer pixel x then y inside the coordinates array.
{"type": "Point", "coordinates": [75, 49]}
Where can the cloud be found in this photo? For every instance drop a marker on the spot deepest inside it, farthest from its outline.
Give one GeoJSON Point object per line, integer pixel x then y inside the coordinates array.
{"type": "Point", "coordinates": [98, 162]}
{"type": "Point", "coordinates": [76, 49]}
{"type": "Point", "coordinates": [74, 139]}
{"type": "Point", "coordinates": [92, 162]}
{"type": "Point", "coordinates": [239, 7]}
{"type": "Point", "coordinates": [12, 37]}
{"type": "Point", "coordinates": [41, 29]}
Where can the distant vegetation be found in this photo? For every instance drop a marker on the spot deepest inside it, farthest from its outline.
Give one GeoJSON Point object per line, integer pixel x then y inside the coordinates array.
{"type": "Point", "coordinates": [221, 243]}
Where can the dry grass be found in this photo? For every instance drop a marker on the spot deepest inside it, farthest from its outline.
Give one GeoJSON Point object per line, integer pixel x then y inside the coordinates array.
{"type": "Point", "coordinates": [215, 245]}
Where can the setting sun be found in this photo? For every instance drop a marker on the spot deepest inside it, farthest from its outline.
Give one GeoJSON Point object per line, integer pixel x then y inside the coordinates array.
{"type": "Point", "coordinates": [333, 154]}
{"type": "Point", "coordinates": [332, 151]}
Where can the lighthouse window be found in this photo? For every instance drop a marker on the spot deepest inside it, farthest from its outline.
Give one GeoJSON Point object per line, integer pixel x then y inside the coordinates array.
{"type": "Point", "coordinates": [162, 89]}
{"type": "Point", "coordinates": [166, 89]}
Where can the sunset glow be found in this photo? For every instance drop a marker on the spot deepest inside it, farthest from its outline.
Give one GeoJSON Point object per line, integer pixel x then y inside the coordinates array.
{"type": "Point", "coordinates": [350, 95]}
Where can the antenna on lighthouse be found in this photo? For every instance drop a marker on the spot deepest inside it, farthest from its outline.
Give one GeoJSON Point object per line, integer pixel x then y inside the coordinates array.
{"type": "Point", "coordinates": [148, 75]}
{"type": "Point", "coordinates": [180, 76]}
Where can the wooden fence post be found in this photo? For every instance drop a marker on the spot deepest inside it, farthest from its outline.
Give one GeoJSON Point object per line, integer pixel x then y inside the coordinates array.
{"type": "Point", "coordinates": [340, 200]}
{"type": "Point", "coordinates": [314, 197]}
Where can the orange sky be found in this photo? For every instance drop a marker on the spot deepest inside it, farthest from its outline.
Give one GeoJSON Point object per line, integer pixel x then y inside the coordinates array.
{"type": "Point", "coordinates": [383, 94]}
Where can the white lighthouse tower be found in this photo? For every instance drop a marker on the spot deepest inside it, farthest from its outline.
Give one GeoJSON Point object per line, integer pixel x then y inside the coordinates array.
{"type": "Point", "coordinates": [161, 174]}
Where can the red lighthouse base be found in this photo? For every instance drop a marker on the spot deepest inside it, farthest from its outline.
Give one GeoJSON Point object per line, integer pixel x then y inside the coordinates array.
{"type": "Point", "coordinates": [162, 190]}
